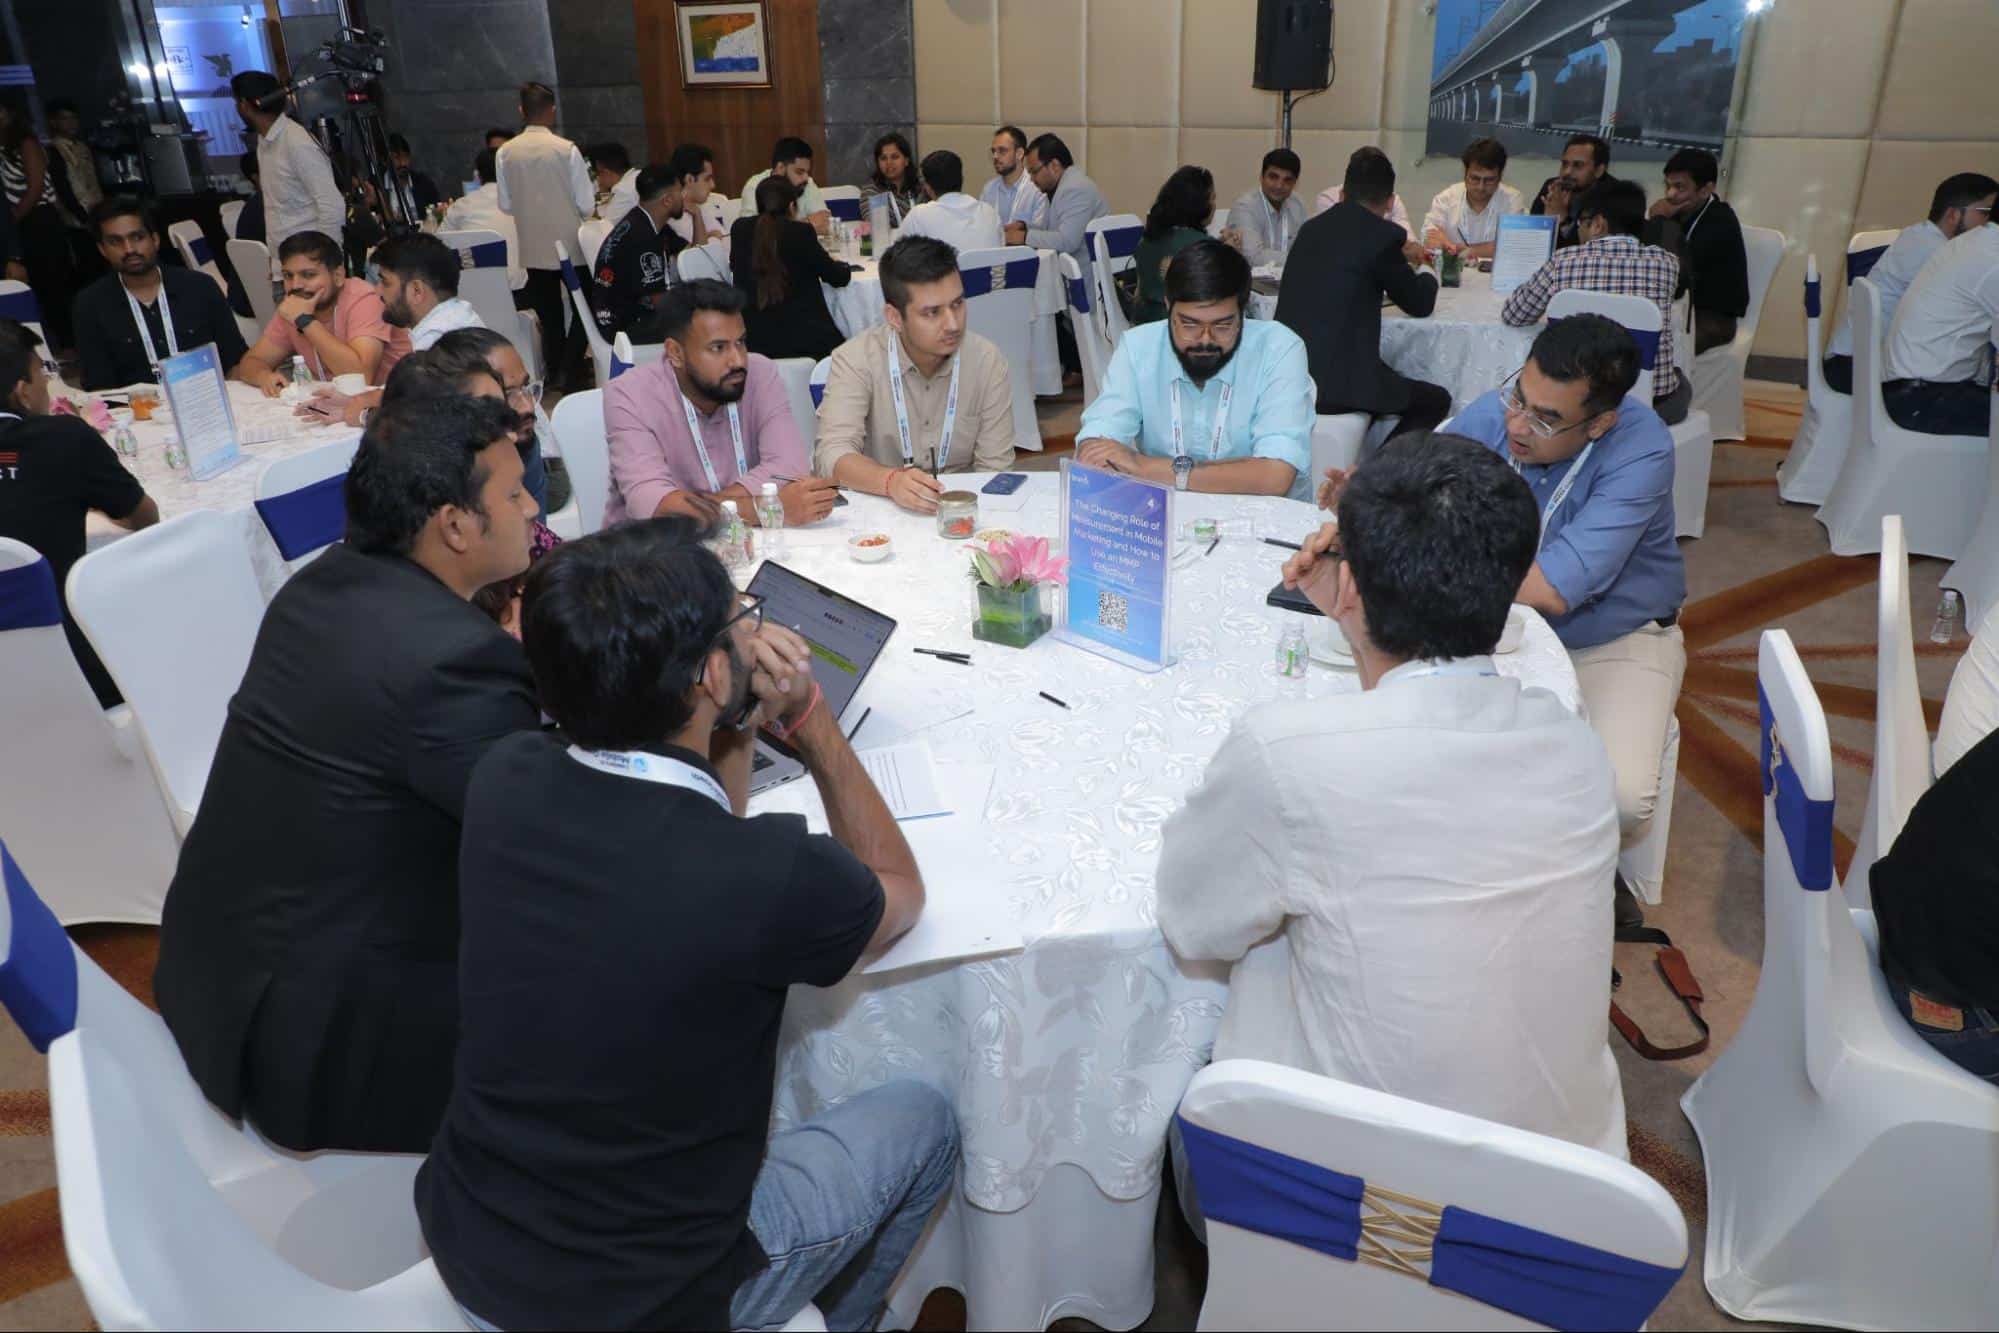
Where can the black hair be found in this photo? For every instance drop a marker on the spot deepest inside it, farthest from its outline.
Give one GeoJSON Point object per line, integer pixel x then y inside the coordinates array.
{"type": "Point", "coordinates": [1208, 270]}
{"type": "Point", "coordinates": [1186, 200]}
{"type": "Point", "coordinates": [486, 166]}
{"type": "Point", "coordinates": [684, 300]}
{"type": "Point", "coordinates": [1284, 160]}
{"type": "Point", "coordinates": [420, 255]}
{"type": "Point", "coordinates": [1620, 203]}
{"type": "Point", "coordinates": [911, 260]}
{"type": "Point", "coordinates": [1370, 177]}
{"type": "Point", "coordinates": [789, 149]}
{"type": "Point", "coordinates": [1599, 150]}
{"type": "Point", "coordinates": [426, 374]}
{"type": "Point", "coordinates": [260, 89]}
{"type": "Point", "coordinates": [536, 97]}
{"type": "Point", "coordinates": [398, 144]}
{"type": "Point", "coordinates": [609, 156]}
{"type": "Point", "coordinates": [687, 161]}
{"type": "Point", "coordinates": [464, 346]}
{"type": "Point", "coordinates": [1050, 148]}
{"type": "Point", "coordinates": [502, 131]}
{"type": "Point", "coordinates": [247, 164]}
{"type": "Point", "coordinates": [119, 206]}
{"type": "Point", "coordinates": [57, 106]}
{"type": "Point", "coordinates": [1487, 153]}
{"type": "Point", "coordinates": [944, 172]}
{"type": "Point", "coordinates": [654, 181]}
{"type": "Point", "coordinates": [616, 627]}
{"type": "Point", "coordinates": [1015, 133]}
{"type": "Point", "coordinates": [1967, 187]}
{"type": "Point", "coordinates": [417, 456]}
{"type": "Point", "coordinates": [1697, 163]}
{"type": "Point", "coordinates": [909, 169]}
{"type": "Point", "coordinates": [1438, 532]}
{"type": "Point", "coordinates": [314, 245]}
{"type": "Point", "coordinates": [19, 351]}
{"type": "Point", "coordinates": [1592, 348]}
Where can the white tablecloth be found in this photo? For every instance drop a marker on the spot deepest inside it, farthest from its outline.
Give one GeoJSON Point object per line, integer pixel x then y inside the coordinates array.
{"type": "Point", "coordinates": [858, 306]}
{"type": "Point", "coordinates": [1065, 1061]}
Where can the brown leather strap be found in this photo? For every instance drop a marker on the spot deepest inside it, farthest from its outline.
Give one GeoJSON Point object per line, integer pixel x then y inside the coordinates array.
{"type": "Point", "coordinates": [1680, 977]}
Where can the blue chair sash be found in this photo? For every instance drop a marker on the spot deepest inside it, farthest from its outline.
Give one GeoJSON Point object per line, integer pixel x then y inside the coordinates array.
{"type": "Point", "coordinates": [818, 393]}
{"type": "Point", "coordinates": [1805, 823]}
{"type": "Point", "coordinates": [1859, 263]}
{"type": "Point", "coordinates": [1079, 296]}
{"type": "Point", "coordinates": [1648, 346]}
{"type": "Point", "coordinates": [619, 365]}
{"type": "Point", "coordinates": [21, 307]}
{"type": "Point", "coordinates": [1121, 241]}
{"type": "Point", "coordinates": [199, 248]}
{"type": "Point", "coordinates": [487, 254]}
{"type": "Point", "coordinates": [1010, 276]}
{"type": "Point", "coordinates": [569, 278]}
{"type": "Point", "coordinates": [304, 520]}
{"type": "Point", "coordinates": [28, 598]}
{"type": "Point", "coordinates": [1529, 1273]}
{"type": "Point", "coordinates": [1812, 304]}
{"type": "Point", "coordinates": [847, 210]}
{"type": "Point", "coordinates": [38, 978]}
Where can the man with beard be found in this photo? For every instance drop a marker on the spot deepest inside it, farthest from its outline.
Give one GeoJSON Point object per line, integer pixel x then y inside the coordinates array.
{"type": "Point", "coordinates": [420, 289]}
{"type": "Point", "coordinates": [709, 421]}
{"type": "Point", "coordinates": [635, 264]}
{"type": "Point", "coordinates": [335, 322]}
{"type": "Point", "coordinates": [138, 314]}
{"type": "Point", "coordinates": [918, 394]}
{"type": "Point", "coordinates": [1206, 399]}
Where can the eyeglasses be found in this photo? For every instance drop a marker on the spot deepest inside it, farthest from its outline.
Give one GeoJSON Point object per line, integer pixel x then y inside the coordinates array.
{"type": "Point", "coordinates": [1194, 328]}
{"type": "Point", "coordinates": [1515, 405]}
{"type": "Point", "coordinates": [750, 607]}
{"type": "Point", "coordinates": [527, 391]}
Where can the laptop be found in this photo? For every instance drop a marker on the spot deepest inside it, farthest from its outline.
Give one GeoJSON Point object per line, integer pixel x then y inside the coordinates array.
{"type": "Point", "coordinates": [846, 639]}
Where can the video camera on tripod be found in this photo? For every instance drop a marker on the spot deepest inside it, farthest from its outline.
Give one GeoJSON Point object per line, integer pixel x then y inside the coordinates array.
{"type": "Point", "coordinates": [338, 87]}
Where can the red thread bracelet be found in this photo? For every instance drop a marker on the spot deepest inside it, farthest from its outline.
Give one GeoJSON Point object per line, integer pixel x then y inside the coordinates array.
{"type": "Point", "coordinates": [786, 733]}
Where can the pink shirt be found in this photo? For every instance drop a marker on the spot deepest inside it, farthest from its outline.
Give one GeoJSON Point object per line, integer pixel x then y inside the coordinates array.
{"type": "Point", "coordinates": [357, 313]}
{"type": "Point", "coordinates": [652, 455]}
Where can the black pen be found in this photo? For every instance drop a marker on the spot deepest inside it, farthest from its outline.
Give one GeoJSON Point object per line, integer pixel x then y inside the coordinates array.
{"type": "Point", "coordinates": [964, 658]}
{"type": "Point", "coordinates": [857, 726]}
{"type": "Point", "coordinates": [1211, 548]}
{"type": "Point", "coordinates": [1277, 541]}
{"type": "Point", "coordinates": [1051, 698]}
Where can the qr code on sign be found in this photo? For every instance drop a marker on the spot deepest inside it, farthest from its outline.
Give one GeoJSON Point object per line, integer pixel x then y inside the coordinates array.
{"type": "Point", "coordinates": [1112, 610]}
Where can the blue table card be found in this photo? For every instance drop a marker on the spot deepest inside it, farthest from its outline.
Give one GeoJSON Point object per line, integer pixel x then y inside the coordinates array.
{"type": "Point", "coordinates": [200, 402]}
{"type": "Point", "coordinates": [1118, 534]}
{"type": "Point", "coordinates": [1525, 242]}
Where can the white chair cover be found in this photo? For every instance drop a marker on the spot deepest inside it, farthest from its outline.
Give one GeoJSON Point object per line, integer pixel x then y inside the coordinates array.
{"type": "Point", "coordinates": [1850, 1167]}
{"type": "Point", "coordinates": [1086, 320]}
{"type": "Point", "coordinates": [731, 209]}
{"type": "Point", "coordinates": [1937, 483]}
{"type": "Point", "coordinates": [252, 262]}
{"type": "Point", "coordinates": [195, 252]}
{"type": "Point", "coordinates": [1113, 241]}
{"type": "Point", "coordinates": [173, 613]}
{"type": "Point", "coordinates": [486, 287]}
{"type": "Point", "coordinates": [1975, 573]}
{"type": "Point", "coordinates": [796, 373]}
{"type": "Point", "coordinates": [816, 386]}
{"type": "Point", "coordinates": [600, 351]}
{"type": "Point", "coordinates": [1902, 770]}
{"type": "Point", "coordinates": [292, 476]}
{"type": "Point", "coordinates": [842, 201]}
{"type": "Point", "coordinates": [232, 211]}
{"type": "Point", "coordinates": [81, 812]}
{"type": "Point", "coordinates": [586, 453]}
{"type": "Point", "coordinates": [590, 234]}
{"type": "Point", "coordinates": [1391, 1146]}
{"type": "Point", "coordinates": [1336, 442]}
{"type": "Point", "coordinates": [1719, 371]}
{"type": "Point", "coordinates": [704, 261]}
{"type": "Point", "coordinates": [999, 287]}
{"type": "Point", "coordinates": [1812, 465]}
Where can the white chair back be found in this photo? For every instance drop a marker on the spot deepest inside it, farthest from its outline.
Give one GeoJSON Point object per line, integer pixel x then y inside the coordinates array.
{"type": "Point", "coordinates": [600, 350]}
{"type": "Point", "coordinates": [173, 612]}
{"type": "Point", "coordinates": [1335, 1158]}
{"type": "Point", "coordinates": [1113, 242]}
{"type": "Point", "coordinates": [796, 374]}
{"type": "Point", "coordinates": [19, 303]}
{"type": "Point", "coordinates": [232, 213]}
{"type": "Point", "coordinates": [1975, 572]}
{"type": "Point", "coordinates": [1091, 349]}
{"type": "Point", "coordinates": [1812, 463]}
{"type": "Point", "coordinates": [487, 287]}
{"type": "Point", "coordinates": [586, 453]}
{"type": "Point", "coordinates": [1639, 316]}
{"type": "Point", "coordinates": [731, 209]}
{"type": "Point", "coordinates": [302, 501]}
{"type": "Point", "coordinates": [82, 814]}
{"type": "Point", "coordinates": [816, 386]}
{"type": "Point", "coordinates": [1336, 443]}
{"type": "Point", "coordinates": [195, 251]}
{"type": "Point", "coordinates": [590, 234]}
{"type": "Point", "coordinates": [704, 261]}
{"type": "Point", "coordinates": [252, 262]}
{"type": "Point", "coordinates": [999, 306]}
{"type": "Point", "coordinates": [842, 201]}
{"type": "Point", "coordinates": [1718, 372]}
{"type": "Point", "coordinates": [1901, 735]}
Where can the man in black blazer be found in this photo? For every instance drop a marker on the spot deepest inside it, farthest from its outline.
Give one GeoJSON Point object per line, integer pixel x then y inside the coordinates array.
{"type": "Point", "coordinates": [1342, 264]}
{"type": "Point", "coordinates": [309, 945]}
{"type": "Point", "coordinates": [122, 319]}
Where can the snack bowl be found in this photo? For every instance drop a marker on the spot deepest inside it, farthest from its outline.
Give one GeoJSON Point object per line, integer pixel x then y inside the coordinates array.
{"type": "Point", "coordinates": [987, 536]}
{"type": "Point", "coordinates": [870, 547]}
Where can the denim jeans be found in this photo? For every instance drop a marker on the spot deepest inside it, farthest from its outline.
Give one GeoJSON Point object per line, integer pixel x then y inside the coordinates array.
{"type": "Point", "coordinates": [1974, 1048]}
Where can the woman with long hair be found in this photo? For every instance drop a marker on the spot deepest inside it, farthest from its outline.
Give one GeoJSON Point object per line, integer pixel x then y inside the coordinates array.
{"type": "Point", "coordinates": [24, 172]}
{"type": "Point", "coordinates": [1179, 217]}
{"type": "Point", "coordinates": [895, 176]}
{"type": "Point", "coordinates": [779, 266]}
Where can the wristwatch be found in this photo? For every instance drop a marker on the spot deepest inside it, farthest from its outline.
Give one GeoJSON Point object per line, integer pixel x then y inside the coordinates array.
{"type": "Point", "coordinates": [1183, 470]}
{"type": "Point", "coordinates": [302, 321]}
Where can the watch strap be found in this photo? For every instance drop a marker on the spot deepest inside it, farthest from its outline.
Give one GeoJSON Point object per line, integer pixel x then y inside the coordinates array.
{"type": "Point", "coordinates": [303, 320]}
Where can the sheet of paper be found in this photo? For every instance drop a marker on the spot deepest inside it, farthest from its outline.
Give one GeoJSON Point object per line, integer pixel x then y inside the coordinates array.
{"type": "Point", "coordinates": [906, 777]}
{"type": "Point", "coordinates": [1525, 242]}
{"type": "Point", "coordinates": [900, 706]}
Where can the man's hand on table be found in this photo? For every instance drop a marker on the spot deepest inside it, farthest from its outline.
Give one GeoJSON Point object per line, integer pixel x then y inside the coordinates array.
{"type": "Point", "coordinates": [1311, 572]}
{"type": "Point", "coordinates": [697, 505]}
{"type": "Point", "coordinates": [329, 405]}
{"type": "Point", "coordinates": [808, 499]}
{"type": "Point", "coordinates": [1107, 454]}
{"type": "Point", "coordinates": [914, 489]}
{"type": "Point", "coordinates": [270, 382]}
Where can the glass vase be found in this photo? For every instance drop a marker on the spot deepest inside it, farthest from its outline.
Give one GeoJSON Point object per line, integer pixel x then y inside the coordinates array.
{"type": "Point", "coordinates": [1010, 616]}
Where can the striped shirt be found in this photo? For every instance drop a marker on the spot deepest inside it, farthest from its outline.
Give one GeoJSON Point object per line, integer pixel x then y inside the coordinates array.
{"type": "Point", "coordinates": [1619, 265]}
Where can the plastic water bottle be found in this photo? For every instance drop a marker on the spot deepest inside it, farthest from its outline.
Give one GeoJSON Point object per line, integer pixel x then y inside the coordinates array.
{"type": "Point", "coordinates": [1949, 611]}
{"type": "Point", "coordinates": [125, 442]}
{"type": "Point", "coordinates": [770, 516]}
{"type": "Point", "coordinates": [1292, 657]}
{"type": "Point", "coordinates": [301, 376]}
{"type": "Point", "coordinates": [734, 538]}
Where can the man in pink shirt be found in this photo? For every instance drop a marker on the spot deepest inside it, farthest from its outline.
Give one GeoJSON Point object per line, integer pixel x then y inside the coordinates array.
{"type": "Point", "coordinates": [335, 322]}
{"type": "Point", "coordinates": [707, 422]}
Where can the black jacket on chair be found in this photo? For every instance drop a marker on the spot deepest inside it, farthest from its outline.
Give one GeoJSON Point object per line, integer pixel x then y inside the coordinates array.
{"type": "Point", "coordinates": [1341, 265]}
{"type": "Point", "coordinates": [308, 962]}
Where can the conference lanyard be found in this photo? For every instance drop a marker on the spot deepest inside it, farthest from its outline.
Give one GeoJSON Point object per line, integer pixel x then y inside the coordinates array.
{"type": "Point", "coordinates": [1279, 226]}
{"type": "Point", "coordinates": [1461, 667]}
{"type": "Point", "coordinates": [166, 322]}
{"type": "Point", "coordinates": [1561, 491]}
{"type": "Point", "coordinates": [1221, 420]}
{"type": "Point", "coordinates": [943, 454]}
{"type": "Point", "coordinates": [1689, 234]}
{"type": "Point", "coordinates": [701, 445]}
{"type": "Point", "coordinates": [655, 768]}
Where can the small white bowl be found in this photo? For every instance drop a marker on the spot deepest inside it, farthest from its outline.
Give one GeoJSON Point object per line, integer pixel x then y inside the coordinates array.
{"type": "Point", "coordinates": [879, 546]}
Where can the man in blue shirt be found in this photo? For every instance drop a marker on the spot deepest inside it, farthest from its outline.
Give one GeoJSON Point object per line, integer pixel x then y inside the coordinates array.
{"type": "Point", "coordinates": [1206, 399]}
{"type": "Point", "coordinates": [1608, 576]}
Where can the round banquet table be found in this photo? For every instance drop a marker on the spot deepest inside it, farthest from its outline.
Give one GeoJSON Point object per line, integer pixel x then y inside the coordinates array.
{"type": "Point", "coordinates": [858, 306]}
{"type": "Point", "coordinates": [1065, 1060]}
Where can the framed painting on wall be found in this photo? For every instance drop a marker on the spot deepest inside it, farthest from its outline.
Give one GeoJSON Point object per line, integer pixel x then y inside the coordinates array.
{"type": "Point", "coordinates": [723, 45]}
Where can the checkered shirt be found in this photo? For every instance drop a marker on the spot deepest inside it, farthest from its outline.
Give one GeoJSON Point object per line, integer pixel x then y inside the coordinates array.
{"type": "Point", "coordinates": [1620, 265]}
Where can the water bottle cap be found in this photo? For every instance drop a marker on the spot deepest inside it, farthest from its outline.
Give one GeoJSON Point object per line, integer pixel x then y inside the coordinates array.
{"type": "Point", "coordinates": [770, 488]}
{"type": "Point", "coordinates": [729, 507]}
{"type": "Point", "coordinates": [1950, 597]}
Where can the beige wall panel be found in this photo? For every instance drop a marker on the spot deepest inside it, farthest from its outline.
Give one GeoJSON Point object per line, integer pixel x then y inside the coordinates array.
{"type": "Point", "coordinates": [1134, 62]}
{"type": "Point", "coordinates": [1411, 37]}
{"type": "Point", "coordinates": [1939, 83]}
{"type": "Point", "coordinates": [954, 60]}
{"type": "Point", "coordinates": [1814, 74]}
{"type": "Point", "coordinates": [1129, 165]}
{"type": "Point", "coordinates": [1235, 156]}
{"type": "Point", "coordinates": [1360, 46]}
{"type": "Point", "coordinates": [1324, 154]}
{"type": "Point", "coordinates": [1902, 176]}
{"type": "Point", "coordinates": [1417, 178]}
{"type": "Point", "coordinates": [1041, 63]}
{"type": "Point", "coordinates": [1218, 38]}
{"type": "Point", "coordinates": [1804, 188]}
{"type": "Point", "coordinates": [969, 142]}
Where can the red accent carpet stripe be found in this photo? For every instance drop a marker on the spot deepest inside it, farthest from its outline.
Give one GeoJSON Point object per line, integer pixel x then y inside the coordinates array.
{"type": "Point", "coordinates": [1725, 774]}
{"type": "Point", "coordinates": [31, 1253]}
{"type": "Point", "coordinates": [24, 1113]}
{"type": "Point", "coordinates": [1766, 601]}
{"type": "Point", "coordinates": [1709, 678]}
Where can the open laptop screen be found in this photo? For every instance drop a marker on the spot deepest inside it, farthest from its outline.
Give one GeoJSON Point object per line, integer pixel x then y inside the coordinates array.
{"type": "Point", "coordinates": [846, 636]}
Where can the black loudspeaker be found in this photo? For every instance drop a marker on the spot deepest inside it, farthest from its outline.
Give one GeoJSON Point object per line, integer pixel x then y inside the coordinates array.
{"type": "Point", "coordinates": [1294, 44]}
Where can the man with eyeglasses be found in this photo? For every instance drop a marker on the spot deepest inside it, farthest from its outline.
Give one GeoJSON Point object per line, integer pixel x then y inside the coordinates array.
{"type": "Point", "coordinates": [1206, 399]}
{"type": "Point", "coordinates": [1938, 369]}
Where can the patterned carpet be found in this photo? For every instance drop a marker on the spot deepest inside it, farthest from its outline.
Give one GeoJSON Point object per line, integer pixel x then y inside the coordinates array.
{"type": "Point", "coordinates": [1760, 564]}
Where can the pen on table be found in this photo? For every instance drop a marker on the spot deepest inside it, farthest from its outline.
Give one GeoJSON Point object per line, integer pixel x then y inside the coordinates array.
{"type": "Point", "coordinates": [1051, 698]}
{"type": "Point", "coordinates": [962, 659]}
{"type": "Point", "coordinates": [1211, 548]}
{"type": "Point", "coordinates": [1278, 541]}
{"type": "Point", "coordinates": [857, 726]}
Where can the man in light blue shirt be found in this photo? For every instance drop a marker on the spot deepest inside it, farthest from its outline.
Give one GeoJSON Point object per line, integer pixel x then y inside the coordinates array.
{"type": "Point", "coordinates": [1608, 577]}
{"type": "Point", "coordinates": [1011, 193]}
{"type": "Point", "coordinates": [1206, 399]}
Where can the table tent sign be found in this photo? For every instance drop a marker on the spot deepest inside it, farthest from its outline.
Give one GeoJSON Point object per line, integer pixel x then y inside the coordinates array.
{"type": "Point", "coordinates": [202, 418]}
{"type": "Point", "coordinates": [1525, 242]}
{"type": "Point", "coordinates": [1118, 535]}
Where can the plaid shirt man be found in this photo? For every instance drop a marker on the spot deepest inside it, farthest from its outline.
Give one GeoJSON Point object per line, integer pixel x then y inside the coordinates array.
{"type": "Point", "coordinates": [1620, 265]}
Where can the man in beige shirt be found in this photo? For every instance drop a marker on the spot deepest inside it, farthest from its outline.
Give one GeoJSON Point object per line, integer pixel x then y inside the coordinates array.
{"type": "Point", "coordinates": [956, 411]}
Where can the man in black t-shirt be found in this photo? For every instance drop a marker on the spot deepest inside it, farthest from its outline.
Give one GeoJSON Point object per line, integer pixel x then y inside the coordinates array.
{"type": "Point", "coordinates": [53, 472]}
{"type": "Point", "coordinates": [122, 319]}
{"type": "Point", "coordinates": [635, 264]}
{"type": "Point", "coordinates": [1713, 263]}
{"type": "Point", "coordinates": [627, 938]}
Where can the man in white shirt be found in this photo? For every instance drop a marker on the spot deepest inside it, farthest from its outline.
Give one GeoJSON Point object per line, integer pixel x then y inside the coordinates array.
{"type": "Point", "coordinates": [1938, 367]}
{"type": "Point", "coordinates": [299, 191]}
{"type": "Point", "coordinates": [952, 216]}
{"type": "Point", "coordinates": [419, 286]}
{"type": "Point", "coordinates": [1413, 883]}
{"type": "Point", "coordinates": [1953, 210]}
{"type": "Point", "coordinates": [791, 157]}
{"type": "Point", "coordinates": [1464, 218]}
{"type": "Point", "coordinates": [480, 211]}
{"type": "Point", "coordinates": [546, 187]}
{"type": "Point", "coordinates": [1011, 193]}
{"type": "Point", "coordinates": [616, 178]}
{"type": "Point", "coordinates": [1268, 217]}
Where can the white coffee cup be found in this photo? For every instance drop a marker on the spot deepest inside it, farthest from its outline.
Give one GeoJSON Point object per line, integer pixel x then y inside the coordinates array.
{"type": "Point", "coordinates": [351, 384]}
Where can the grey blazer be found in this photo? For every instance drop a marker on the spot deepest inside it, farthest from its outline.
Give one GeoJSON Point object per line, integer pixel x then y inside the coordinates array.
{"type": "Point", "coordinates": [1075, 204]}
